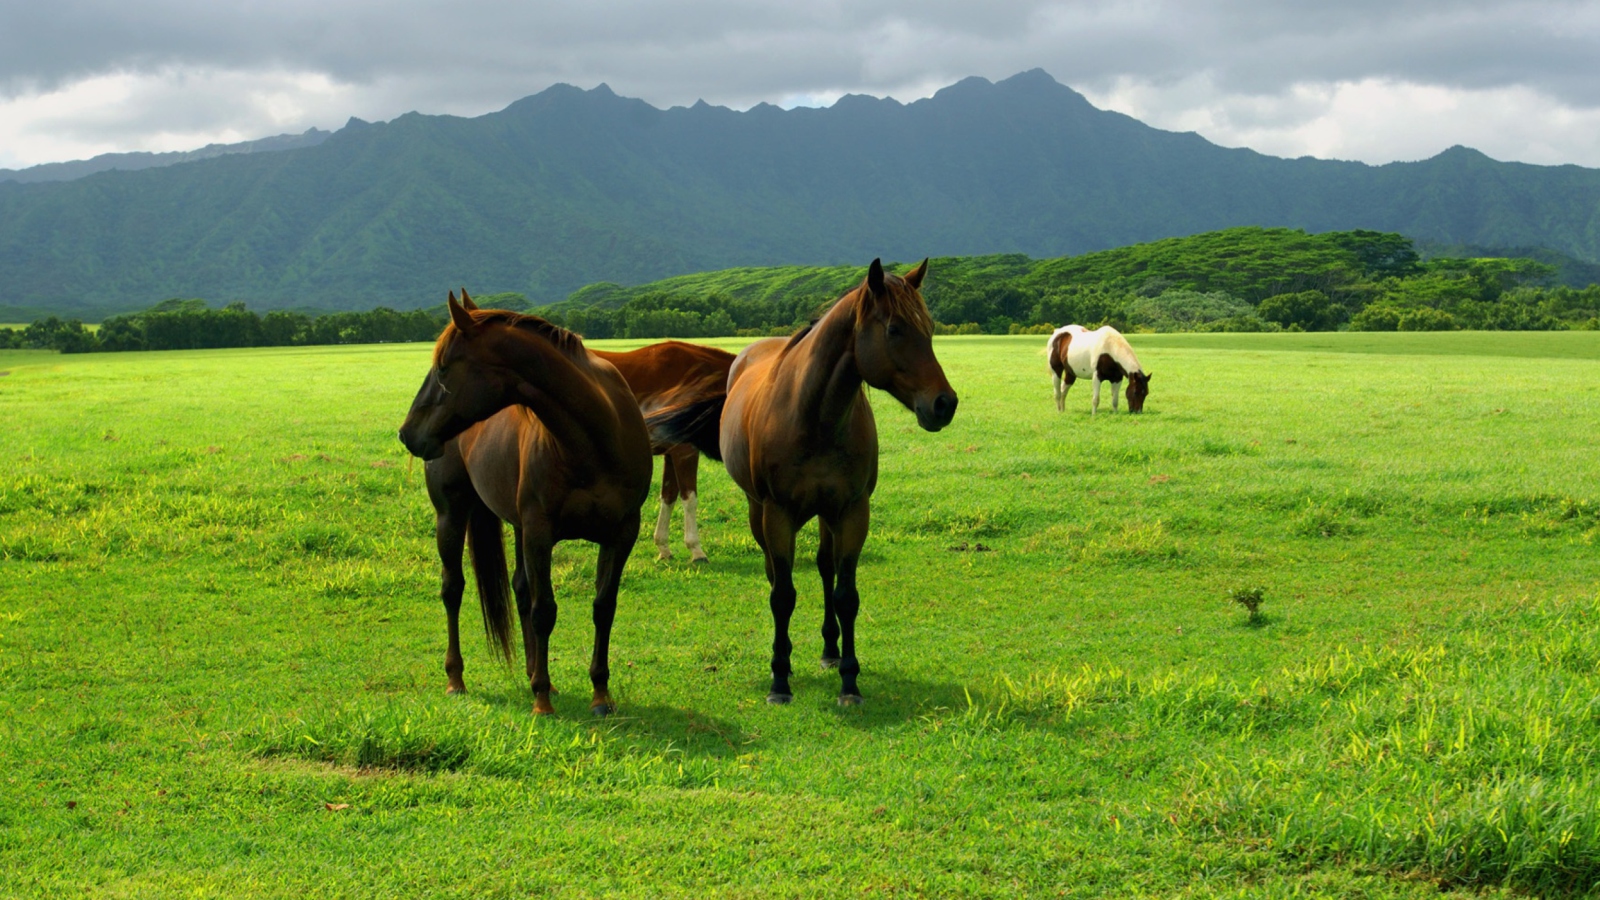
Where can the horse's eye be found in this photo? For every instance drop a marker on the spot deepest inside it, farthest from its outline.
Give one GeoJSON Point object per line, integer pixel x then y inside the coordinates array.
{"type": "Point", "coordinates": [895, 329]}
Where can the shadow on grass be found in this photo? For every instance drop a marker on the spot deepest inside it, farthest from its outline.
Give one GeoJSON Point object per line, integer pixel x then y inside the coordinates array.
{"type": "Point", "coordinates": [1257, 622]}
{"type": "Point", "coordinates": [888, 699]}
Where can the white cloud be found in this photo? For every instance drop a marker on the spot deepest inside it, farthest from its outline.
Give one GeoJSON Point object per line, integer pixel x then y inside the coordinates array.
{"type": "Point", "coordinates": [1372, 120]}
{"type": "Point", "coordinates": [166, 111]}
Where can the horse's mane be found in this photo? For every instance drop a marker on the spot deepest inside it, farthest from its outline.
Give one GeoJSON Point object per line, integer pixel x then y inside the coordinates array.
{"type": "Point", "coordinates": [567, 342]}
{"type": "Point", "coordinates": [798, 335]}
{"type": "Point", "coordinates": [902, 301]}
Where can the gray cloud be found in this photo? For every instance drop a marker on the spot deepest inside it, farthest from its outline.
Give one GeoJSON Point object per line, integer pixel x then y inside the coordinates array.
{"type": "Point", "coordinates": [739, 53]}
{"type": "Point", "coordinates": [471, 56]}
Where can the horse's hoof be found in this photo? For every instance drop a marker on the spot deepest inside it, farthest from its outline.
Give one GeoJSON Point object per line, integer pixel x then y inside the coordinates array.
{"type": "Point", "coordinates": [663, 556]}
{"type": "Point", "coordinates": [779, 699]}
{"type": "Point", "coordinates": [601, 710]}
{"type": "Point", "coordinates": [455, 689]}
{"type": "Point", "coordinates": [699, 559]}
{"type": "Point", "coordinates": [543, 707]}
{"type": "Point", "coordinates": [849, 699]}
{"type": "Point", "coordinates": [830, 662]}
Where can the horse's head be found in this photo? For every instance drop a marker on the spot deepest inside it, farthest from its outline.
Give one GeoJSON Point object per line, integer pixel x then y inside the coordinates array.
{"type": "Point", "coordinates": [467, 384]}
{"type": "Point", "coordinates": [1138, 389]}
{"type": "Point", "coordinates": [894, 345]}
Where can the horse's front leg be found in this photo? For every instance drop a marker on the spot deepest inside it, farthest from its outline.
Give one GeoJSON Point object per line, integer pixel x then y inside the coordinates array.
{"type": "Point", "coordinates": [1094, 406]}
{"type": "Point", "coordinates": [541, 618]}
{"type": "Point", "coordinates": [850, 535]}
{"type": "Point", "coordinates": [830, 620]}
{"type": "Point", "coordinates": [1116, 389]}
{"type": "Point", "coordinates": [778, 539]}
{"type": "Point", "coordinates": [450, 533]}
{"type": "Point", "coordinates": [607, 578]}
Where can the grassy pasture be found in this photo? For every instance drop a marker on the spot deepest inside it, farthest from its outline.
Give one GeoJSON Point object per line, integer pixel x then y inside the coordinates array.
{"type": "Point", "coordinates": [221, 644]}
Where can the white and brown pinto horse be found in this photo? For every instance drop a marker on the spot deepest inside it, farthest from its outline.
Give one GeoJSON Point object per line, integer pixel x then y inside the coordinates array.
{"type": "Point", "coordinates": [1100, 355]}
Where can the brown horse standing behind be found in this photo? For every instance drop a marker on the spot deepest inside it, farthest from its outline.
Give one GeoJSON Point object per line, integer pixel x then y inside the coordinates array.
{"type": "Point", "coordinates": [668, 374]}
{"type": "Point", "coordinates": [519, 422]}
{"type": "Point", "coordinates": [799, 437]}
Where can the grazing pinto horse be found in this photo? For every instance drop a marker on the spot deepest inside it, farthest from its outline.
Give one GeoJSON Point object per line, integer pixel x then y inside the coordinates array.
{"type": "Point", "coordinates": [798, 436]}
{"type": "Point", "coordinates": [672, 373]}
{"type": "Point", "coordinates": [1102, 355]}
{"type": "Point", "coordinates": [519, 422]}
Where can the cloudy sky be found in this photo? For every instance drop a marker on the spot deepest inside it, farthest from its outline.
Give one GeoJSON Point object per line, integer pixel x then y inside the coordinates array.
{"type": "Point", "coordinates": [1374, 80]}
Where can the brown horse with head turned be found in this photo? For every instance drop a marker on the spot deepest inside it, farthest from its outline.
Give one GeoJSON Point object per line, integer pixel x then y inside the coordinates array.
{"type": "Point", "coordinates": [519, 422]}
{"type": "Point", "coordinates": [669, 374]}
{"type": "Point", "coordinates": [798, 435]}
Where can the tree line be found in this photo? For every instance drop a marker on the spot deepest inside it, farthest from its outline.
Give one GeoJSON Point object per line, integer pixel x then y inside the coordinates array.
{"type": "Point", "coordinates": [1241, 279]}
{"type": "Point", "coordinates": [192, 325]}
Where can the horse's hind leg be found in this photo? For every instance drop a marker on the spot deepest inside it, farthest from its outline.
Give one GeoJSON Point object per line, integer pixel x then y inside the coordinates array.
{"type": "Point", "coordinates": [522, 588]}
{"type": "Point", "coordinates": [849, 536]}
{"type": "Point", "coordinates": [541, 618]}
{"type": "Point", "coordinates": [1061, 393]}
{"type": "Point", "coordinates": [607, 578]}
{"type": "Point", "coordinates": [669, 495]}
{"type": "Point", "coordinates": [686, 463]}
{"type": "Point", "coordinates": [830, 619]}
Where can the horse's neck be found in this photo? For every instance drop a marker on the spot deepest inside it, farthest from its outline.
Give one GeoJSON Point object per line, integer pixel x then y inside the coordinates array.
{"type": "Point", "coordinates": [563, 393]}
{"type": "Point", "coordinates": [820, 370]}
{"type": "Point", "coordinates": [1119, 349]}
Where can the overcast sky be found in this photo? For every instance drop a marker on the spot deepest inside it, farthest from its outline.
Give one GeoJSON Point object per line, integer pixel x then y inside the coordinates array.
{"type": "Point", "coordinates": [1374, 80]}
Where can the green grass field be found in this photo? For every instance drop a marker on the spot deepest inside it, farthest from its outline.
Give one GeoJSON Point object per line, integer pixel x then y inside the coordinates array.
{"type": "Point", "coordinates": [221, 645]}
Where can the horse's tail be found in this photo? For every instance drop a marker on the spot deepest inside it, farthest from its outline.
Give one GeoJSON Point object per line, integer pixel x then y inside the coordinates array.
{"type": "Point", "coordinates": [697, 422]}
{"type": "Point", "coordinates": [488, 552]}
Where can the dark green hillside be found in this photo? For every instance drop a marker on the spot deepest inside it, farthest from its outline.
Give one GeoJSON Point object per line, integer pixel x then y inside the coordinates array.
{"type": "Point", "coordinates": [571, 187]}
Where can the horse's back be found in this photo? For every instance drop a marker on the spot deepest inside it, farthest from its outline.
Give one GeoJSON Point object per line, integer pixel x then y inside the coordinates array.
{"type": "Point", "coordinates": [1084, 349]}
{"type": "Point", "coordinates": [667, 366]}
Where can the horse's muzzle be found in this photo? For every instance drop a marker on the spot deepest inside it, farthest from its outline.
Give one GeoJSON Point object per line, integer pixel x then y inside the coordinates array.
{"type": "Point", "coordinates": [422, 448]}
{"type": "Point", "coordinates": [938, 412]}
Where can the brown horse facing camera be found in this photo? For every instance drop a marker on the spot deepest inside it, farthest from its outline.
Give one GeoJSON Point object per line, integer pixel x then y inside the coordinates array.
{"type": "Point", "coordinates": [519, 422]}
{"type": "Point", "coordinates": [669, 374]}
{"type": "Point", "coordinates": [798, 435]}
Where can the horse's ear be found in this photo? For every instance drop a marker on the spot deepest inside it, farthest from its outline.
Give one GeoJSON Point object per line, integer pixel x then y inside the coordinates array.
{"type": "Point", "coordinates": [460, 316]}
{"type": "Point", "coordinates": [875, 278]}
{"type": "Point", "coordinates": [466, 301]}
{"type": "Point", "coordinates": [915, 276]}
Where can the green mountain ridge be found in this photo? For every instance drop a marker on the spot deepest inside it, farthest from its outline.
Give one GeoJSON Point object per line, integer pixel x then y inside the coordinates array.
{"type": "Point", "coordinates": [569, 187]}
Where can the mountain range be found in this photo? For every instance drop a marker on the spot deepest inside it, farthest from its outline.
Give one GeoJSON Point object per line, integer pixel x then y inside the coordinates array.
{"type": "Point", "coordinates": [570, 187]}
{"type": "Point", "coordinates": [130, 162]}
